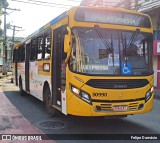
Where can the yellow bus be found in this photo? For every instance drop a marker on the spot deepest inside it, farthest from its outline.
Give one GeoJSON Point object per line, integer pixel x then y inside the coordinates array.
{"type": "Point", "coordinates": [89, 61]}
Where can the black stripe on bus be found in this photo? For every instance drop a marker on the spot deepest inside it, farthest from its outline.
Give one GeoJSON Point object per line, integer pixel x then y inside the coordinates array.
{"type": "Point", "coordinates": [118, 101]}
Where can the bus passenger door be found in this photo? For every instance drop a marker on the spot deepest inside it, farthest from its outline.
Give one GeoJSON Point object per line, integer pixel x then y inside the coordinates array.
{"type": "Point", "coordinates": [58, 68]}
{"type": "Point", "coordinates": [27, 67]}
{"type": "Point", "coordinates": [16, 66]}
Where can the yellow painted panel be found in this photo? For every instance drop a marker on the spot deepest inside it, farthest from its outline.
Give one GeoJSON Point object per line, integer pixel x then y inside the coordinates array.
{"type": "Point", "coordinates": [41, 64]}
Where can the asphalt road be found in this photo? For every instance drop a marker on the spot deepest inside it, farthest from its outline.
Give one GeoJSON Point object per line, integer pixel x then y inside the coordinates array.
{"type": "Point", "coordinates": [33, 110]}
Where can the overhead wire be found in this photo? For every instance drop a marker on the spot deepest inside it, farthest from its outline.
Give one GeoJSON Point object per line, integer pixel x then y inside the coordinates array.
{"type": "Point", "coordinates": [48, 4]}
{"type": "Point", "coordinates": [75, 0]}
{"type": "Point", "coordinates": [35, 3]}
{"type": "Point", "coordinates": [43, 2]}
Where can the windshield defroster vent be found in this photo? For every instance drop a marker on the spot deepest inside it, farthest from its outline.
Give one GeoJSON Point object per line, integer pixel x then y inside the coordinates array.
{"type": "Point", "coordinates": [117, 83]}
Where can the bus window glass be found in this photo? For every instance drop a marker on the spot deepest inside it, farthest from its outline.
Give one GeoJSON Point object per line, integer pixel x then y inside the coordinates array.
{"type": "Point", "coordinates": [19, 54]}
{"type": "Point", "coordinates": [104, 51]}
{"type": "Point", "coordinates": [40, 47]}
{"type": "Point", "coordinates": [33, 49]}
{"type": "Point", "coordinates": [22, 53]}
{"type": "Point", "coordinates": [47, 44]}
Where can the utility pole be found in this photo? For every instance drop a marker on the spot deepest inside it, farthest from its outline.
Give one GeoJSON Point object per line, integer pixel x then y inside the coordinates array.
{"type": "Point", "coordinates": [4, 67]}
{"type": "Point", "coordinates": [14, 29]}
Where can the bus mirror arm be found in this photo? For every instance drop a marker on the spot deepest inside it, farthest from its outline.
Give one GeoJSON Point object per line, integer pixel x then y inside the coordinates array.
{"type": "Point", "coordinates": [67, 41]}
{"type": "Point", "coordinates": [67, 47]}
{"type": "Point", "coordinates": [67, 58]}
{"type": "Point", "coordinates": [67, 44]}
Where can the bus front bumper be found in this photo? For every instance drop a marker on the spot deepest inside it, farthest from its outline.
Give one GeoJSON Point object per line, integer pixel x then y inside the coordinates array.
{"type": "Point", "coordinates": [80, 108]}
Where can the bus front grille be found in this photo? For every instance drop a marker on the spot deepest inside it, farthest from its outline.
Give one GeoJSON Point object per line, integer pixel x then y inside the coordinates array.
{"type": "Point", "coordinates": [109, 107]}
{"type": "Point", "coordinates": [117, 83]}
{"type": "Point", "coordinates": [133, 106]}
{"type": "Point", "coordinates": [106, 107]}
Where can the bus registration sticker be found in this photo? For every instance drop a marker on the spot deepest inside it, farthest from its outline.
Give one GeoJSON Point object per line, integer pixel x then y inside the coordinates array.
{"type": "Point", "coordinates": [120, 108]}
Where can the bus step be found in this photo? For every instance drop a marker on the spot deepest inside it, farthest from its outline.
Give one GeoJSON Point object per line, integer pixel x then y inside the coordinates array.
{"type": "Point", "coordinates": [57, 107]}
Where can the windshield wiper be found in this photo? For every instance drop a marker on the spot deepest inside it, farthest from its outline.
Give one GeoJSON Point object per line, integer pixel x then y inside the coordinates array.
{"type": "Point", "coordinates": [124, 44]}
{"type": "Point", "coordinates": [106, 42]}
{"type": "Point", "coordinates": [132, 40]}
{"type": "Point", "coordinates": [133, 37]}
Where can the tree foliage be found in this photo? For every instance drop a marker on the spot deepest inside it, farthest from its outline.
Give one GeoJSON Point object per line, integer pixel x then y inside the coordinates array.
{"type": "Point", "coordinates": [3, 3]}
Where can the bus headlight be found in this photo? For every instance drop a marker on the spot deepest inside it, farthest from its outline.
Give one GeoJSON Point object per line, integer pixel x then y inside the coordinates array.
{"type": "Point", "coordinates": [81, 94]}
{"type": "Point", "coordinates": [86, 97]}
{"type": "Point", "coordinates": [75, 90]}
{"type": "Point", "coordinates": [149, 94]}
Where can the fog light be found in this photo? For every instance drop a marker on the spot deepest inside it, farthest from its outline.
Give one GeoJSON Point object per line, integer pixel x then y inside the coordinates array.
{"type": "Point", "coordinates": [98, 108]}
{"type": "Point", "coordinates": [140, 107]}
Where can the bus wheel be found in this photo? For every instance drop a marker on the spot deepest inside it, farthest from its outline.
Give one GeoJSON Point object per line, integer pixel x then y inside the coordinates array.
{"type": "Point", "coordinates": [48, 103]}
{"type": "Point", "coordinates": [21, 88]}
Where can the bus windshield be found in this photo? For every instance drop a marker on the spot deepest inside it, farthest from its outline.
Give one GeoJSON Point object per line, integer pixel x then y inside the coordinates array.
{"type": "Point", "coordinates": [97, 51]}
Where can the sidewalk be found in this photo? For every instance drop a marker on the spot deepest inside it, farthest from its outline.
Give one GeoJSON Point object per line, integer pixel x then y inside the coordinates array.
{"type": "Point", "coordinates": [13, 122]}
{"type": "Point", "coordinates": [8, 74]}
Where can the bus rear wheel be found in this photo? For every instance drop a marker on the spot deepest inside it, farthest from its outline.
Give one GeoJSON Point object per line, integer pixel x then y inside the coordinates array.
{"type": "Point", "coordinates": [48, 103]}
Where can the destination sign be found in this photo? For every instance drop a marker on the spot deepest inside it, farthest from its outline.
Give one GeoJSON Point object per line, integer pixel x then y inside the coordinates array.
{"type": "Point", "coordinates": [109, 19]}
{"type": "Point", "coordinates": [112, 17]}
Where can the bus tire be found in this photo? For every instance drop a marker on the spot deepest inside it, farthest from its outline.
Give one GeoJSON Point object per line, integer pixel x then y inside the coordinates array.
{"type": "Point", "coordinates": [21, 87]}
{"type": "Point", "coordinates": [48, 102]}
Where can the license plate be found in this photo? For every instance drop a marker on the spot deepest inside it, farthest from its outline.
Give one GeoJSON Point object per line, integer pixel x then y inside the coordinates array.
{"type": "Point", "coordinates": [120, 108]}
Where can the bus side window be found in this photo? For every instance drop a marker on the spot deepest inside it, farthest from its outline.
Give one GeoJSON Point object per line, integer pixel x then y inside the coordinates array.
{"type": "Point", "coordinates": [17, 58]}
{"type": "Point", "coordinates": [40, 47]}
{"type": "Point", "coordinates": [22, 53]}
{"type": "Point", "coordinates": [47, 44]}
{"type": "Point", "coordinates": [33, 52]}
{"type": "Point", "coordinates": [19, 54]}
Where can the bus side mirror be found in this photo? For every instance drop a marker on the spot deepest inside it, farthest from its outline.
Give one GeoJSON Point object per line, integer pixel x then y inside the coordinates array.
{"type": "Point", "coordinates": [67, 44]}
{"type": "Point", "coordinates": [67, 47]}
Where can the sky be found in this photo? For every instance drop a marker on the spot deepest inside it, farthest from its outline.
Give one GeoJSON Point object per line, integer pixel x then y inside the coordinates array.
{"type": "Point", "coordinates": [31, 17]}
